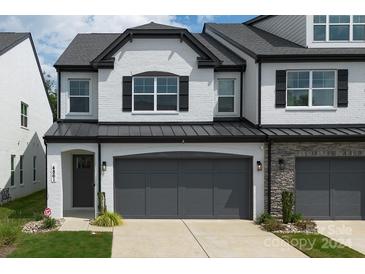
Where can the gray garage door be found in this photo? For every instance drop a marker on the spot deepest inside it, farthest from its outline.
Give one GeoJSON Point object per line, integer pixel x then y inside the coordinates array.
{"type": "Point", "coordinates": [331, 188]}
{"type": "Point", "coordinates": [182, 187]}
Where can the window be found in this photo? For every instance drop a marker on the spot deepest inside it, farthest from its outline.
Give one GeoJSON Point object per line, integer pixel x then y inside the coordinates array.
{"type": "Point", "coordinates": [155, 93]}
{"type": "Point", "coordinates": [23, 114]}
{"type": "Point", "coordinates": [338, 28]}
{"type": "Point", "coordinates": [311, 88]}
{"type": "Point", "coordinates": [21, 181]}
{"type": "Point", "coordinates": [79, 96]}
{"type": "Point", "coordinates": [12, 170]}
{"type": "Point", "coordinates": [226, 95]}
{"type": "Point", "coordinates": [34, 168]}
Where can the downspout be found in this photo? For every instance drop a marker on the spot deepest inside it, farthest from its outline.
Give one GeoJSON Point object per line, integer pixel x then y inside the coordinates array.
{"type": "Point", "coordinates": [259, 95]}
{"type": "Point", "coordinates": [241, 92]}
{"type": "Point", "coordinates": [45, 143]}
{"type": "Point", "coordinates": [269, 176]}
{"type": "Point", "coordinates": [99, 167]}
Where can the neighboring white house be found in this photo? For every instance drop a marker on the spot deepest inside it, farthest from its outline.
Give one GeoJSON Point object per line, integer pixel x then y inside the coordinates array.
{"type": "Point", "coordinates": [25, 116]}
{"type": "Point", "coordinates": [171, 124]}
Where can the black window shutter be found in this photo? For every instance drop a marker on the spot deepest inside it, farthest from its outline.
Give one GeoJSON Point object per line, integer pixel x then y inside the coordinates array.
{"type": "Point", "coordinates": [184, 93]}
{"type": "Point", "coordinates": [342, 87]}
{"type": "Point", "coordinates": [280, 89]}
{"type": "Point", "coordinates": [127, 93]}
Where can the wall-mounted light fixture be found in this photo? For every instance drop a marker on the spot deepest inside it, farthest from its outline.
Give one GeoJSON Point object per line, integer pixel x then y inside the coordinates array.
{"type": "Point", "coordinates": [103, 166]}
{"type": "Point", "coordinates": [259, 165]}
{"type": "Point", "coordinates": [53, 174]}
{"type": "Point", "coordinates": [281, 164]}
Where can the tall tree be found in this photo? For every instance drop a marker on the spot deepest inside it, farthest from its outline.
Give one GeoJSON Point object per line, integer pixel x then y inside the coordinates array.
{"type": "Point", "coordinates": [50, 84]}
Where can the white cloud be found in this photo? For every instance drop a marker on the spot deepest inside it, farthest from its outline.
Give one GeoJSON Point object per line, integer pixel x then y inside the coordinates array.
{"type": "Point", "coordinates": [52, 34]}
{"type": "Point", "coordinates": [204, 18]}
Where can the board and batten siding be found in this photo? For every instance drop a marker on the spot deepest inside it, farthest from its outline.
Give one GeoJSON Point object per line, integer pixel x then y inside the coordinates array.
{"type": "Point", "coordinates": [290, 27]}
{"type": "Point", "coordinates": [352, 114]}
{"type": "Point", "coordinates": [21, 82]}
{"type": "Point", "coordinates": [167, 55]}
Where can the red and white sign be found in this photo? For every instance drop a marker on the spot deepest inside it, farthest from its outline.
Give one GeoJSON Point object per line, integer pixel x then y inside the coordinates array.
{"type": "Point", "coordinates": [47, 212]}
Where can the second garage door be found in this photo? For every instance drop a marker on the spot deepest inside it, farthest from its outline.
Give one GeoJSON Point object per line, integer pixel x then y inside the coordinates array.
{"type": "Point", "coordinates": [330, 188]}
{"type": "Point", "coordinates": [182, 187]}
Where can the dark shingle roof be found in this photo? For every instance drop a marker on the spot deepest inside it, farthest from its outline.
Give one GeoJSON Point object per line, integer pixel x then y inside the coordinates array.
{"type": "Point", "coordinates": [84, 48]}
{"type": "Point", "coordinates": [261, 43]}
{"type": "Point", "coordinates": [225, 55]}
{"type": "Point", "coordinates": [155, 26]}
{"type": "Point", "coordinates": [217, 131]}
{"type": "Point", "coordinates": [11, 39]}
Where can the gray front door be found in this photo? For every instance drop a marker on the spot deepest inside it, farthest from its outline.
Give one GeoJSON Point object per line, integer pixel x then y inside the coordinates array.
{"type": "Point", "coordinates": [83, 180]}
{"type": "Point", "coordinates": [183, 188]}
{"type": "Point", "coordinates": [331, 188]}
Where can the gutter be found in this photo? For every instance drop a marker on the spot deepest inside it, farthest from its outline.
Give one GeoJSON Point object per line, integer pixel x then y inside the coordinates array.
{"type": "Point", "coordinates": [99, 167]}
{"type": "Point", "coordinates": [269, 176]}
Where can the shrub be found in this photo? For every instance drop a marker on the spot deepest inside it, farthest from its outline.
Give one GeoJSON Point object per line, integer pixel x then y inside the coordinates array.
{"type": "Point", "coordinates": [49, 223]}
{"type": "Point", "coordinates": [306, 225]}
{"type": "Point", "coordinates": [38, 216]}
{"type": "Point", "coordinates": [263, 218]}
{"type": "Point", "coordinates": [287, 201]}
{"type": "Point", "coordinates": [108, 219]}
{"type": "Point", "coordinates": [272, 225]}
{"type": "Point", "coordinates": [8, 233]}
{"type": "Point", "coordinates": [296, 217]}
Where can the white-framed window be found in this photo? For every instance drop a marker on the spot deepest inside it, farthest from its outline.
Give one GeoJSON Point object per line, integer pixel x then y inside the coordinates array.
{"type": "Point", "coordinates": [12, 170]}
{"type": "Point", "coordinates": [311, 88]}
{"type": "Point", "coordinates": [21, 174]}
{"type": "Point", "coordinates": [338, 28]}
{"type": "Point", "coordinates": [23, 114]}
{"type": "Point", "coordinates": [34, 169]}
{"type": "Point", "coordinates": [79, 96]}
{"type": "Point", "coordinates": [156, 94]}
{"type": "Point", "coordinates": [226, 95]}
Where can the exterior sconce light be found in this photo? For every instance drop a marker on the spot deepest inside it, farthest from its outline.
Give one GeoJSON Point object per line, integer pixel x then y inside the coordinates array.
{"type": "Point", "coordinates": [259, 166]}
{"type": "Point", "coordinates": [103, 166]}
{"type": "Point", "coordinates": [281, 164]}
{"type": "Point", "coordinates": [53, 174]}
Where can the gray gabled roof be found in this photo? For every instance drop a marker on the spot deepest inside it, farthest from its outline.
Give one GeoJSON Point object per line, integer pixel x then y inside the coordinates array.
{"type": "Point", "coordinates": [84, 48]}
{"type": "Point", "coordinates": [8, 40]}
{"type": "Point", "coordinates": [155, 26]}
{"type": "Point", "coordinates": [261, 44]}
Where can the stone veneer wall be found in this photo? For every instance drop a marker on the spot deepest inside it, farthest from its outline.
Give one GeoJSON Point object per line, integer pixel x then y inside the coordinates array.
{"type": "Point", "coordinates": [285, 179]}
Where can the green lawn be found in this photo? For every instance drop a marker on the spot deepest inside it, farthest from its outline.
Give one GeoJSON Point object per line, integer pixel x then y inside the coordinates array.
{"type": "Point", "coordinates": [52, 244]}
{"type": "Point", "coordinates": [319, 246]}
{"type": "Point", "coordinates": [64, 245]}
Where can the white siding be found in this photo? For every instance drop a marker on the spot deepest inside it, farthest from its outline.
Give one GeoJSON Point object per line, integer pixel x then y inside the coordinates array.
{"type": "Point", "coordinates": [168, 55]}
{"type": "Point", "coordinates": [290, 27]}
{"type": "Point", "coordinates": [65, 89]}
{"type": "Point", "coordinates": [250, 80]}
{"type": "Point", "coordinates": [237, 85]}
{"type": "Point", "coordinates": [21, 81]}
{"type": "Point", "coordinates": [353, 114]}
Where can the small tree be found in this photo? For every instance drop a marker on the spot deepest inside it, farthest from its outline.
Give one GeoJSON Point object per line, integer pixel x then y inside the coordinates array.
{"type": "Point", "coordinates": [101, 203]}
{"type": "Point", "coordinates": [50, 85]}
{"type": "Point", "coordinates": [287, 201]}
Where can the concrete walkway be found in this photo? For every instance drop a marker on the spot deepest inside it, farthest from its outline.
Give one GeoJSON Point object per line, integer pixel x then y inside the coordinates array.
{"type": "Point", "coordinates": [197, 239]}
{"type": "Point", "coordinates": [350, 233]}
{"type": "Point", "coordinates": [81, 224]}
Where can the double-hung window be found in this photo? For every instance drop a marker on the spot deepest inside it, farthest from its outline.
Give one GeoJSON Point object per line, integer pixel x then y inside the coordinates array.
{"type": "Point", "coordinates": [312, 89]}
{"type": "Point", "coordinates": [34, 169]}
{"type": "Point", "coordinates": [21, 175]}
{"type": "Point", "coordinates": [338, 28]}
{"type": "Point", "coordinates": [23, 114]}
{"type": "Point", "coordinates": [79, 95]}
{"type": "Point", "coordinates": [155, 93]}
{"type": "Point", "coordinates": [226, 95]}
{"type": "Point", "coordinates": [12, 170]}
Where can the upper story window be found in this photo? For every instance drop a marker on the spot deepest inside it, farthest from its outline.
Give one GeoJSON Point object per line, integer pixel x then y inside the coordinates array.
{"type": "Point", "coordinates": [226, 100]}
{"type": "Point", "coordinates": [155, 93]}
{"type": "Point", "coordinates": [338, 28]}
{"type": "Point", "coordinates": [23, 114]}
{"type": "Point", "coordinates": [311, 89]}
{"type": "Point", "coordinates": [79, 95]}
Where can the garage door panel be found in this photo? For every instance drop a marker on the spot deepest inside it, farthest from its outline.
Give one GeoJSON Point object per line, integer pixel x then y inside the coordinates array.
{"type": "Point", "coordinates": [163, 191]}
{"type": "Point", "coordinates": [197, 195]}
{"type": "Point", "coordinates": [231, 195]}
{"type": "Point", "coordinates": [131, 193]}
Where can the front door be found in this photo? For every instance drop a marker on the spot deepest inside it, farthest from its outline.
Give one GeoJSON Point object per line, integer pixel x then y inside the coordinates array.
{"type": "Point", "coordinates": [83, 181]}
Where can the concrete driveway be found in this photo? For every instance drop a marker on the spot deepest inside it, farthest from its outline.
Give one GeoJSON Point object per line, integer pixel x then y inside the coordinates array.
{"type": "Point", "coordinates": [197, 239]}
{"type": "Point", "coordinates": [350, 233]}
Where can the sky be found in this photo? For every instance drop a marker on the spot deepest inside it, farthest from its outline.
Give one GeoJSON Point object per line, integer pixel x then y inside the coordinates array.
{"type": "Point", "coordinates": [52, 34]}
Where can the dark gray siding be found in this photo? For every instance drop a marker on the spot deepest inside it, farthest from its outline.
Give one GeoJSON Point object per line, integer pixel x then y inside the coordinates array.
{"type": "Point", "coordinates": [290, 27]}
